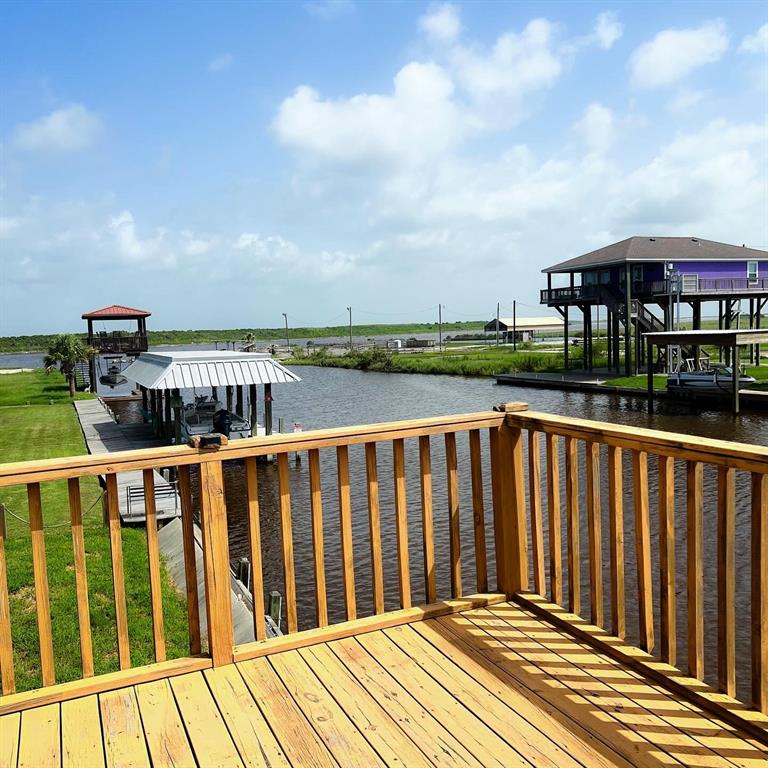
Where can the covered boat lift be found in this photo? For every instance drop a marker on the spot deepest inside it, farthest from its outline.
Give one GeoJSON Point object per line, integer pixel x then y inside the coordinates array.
{"type": "Point", "coordinates": [161, 376]}
{"type": "Point", "coordinates": [731, 340]}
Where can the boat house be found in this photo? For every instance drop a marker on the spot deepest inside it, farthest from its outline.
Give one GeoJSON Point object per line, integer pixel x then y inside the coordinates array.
{"type": "Point", "coordinates": [640, 284]}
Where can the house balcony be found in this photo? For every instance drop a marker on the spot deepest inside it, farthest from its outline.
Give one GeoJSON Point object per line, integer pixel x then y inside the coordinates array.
{"type": "Point", "coordinates": [118, 343]}
{"type": "Point", "coordinates": [529, 648]}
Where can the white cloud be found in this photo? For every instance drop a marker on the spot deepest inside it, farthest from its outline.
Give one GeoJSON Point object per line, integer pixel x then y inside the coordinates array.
{"type": "Point", "coordinates": [597, 127]}
{"type": "Point", "coordinates": [69, 129]}
{"type": "Point", "coordinates": [608, 29]}
{"type": "Point", "coordinates": [674, 53]}
{"type": "Point", "coordinates": [154, 251]}
{"type": "Point", "coordinates": [441, 23]}
{"type": "Point", "coordinates": [192, 245]}
{"type": "Point", "coordinates": [685, 98]}
{"type": "Point", "coordinates": [419, 119]}
{"type": "Point", "coordinates": [329, 9]}
{"type": "Point", "coordinates": [7, 225]}
{"type": "Point", "coordinates": [757, 43]}
{"type": "Point", "coordinates": [221, 62]}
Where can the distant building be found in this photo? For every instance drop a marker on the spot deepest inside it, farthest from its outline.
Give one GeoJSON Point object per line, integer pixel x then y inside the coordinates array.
{"type": "Point", "coordinates": [526, 328]}
{"type": "Point", "coordinates": [628, 278]}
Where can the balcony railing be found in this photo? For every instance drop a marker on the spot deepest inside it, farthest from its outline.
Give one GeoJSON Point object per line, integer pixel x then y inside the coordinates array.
{"type": "Point", "coordinates": [118, 342]}
{"type": "Point", "coordinates": [535, 543]}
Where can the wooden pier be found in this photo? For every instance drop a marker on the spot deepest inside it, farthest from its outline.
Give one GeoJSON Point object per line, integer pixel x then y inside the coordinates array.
{"type": "Point", "coordinates": [505, 668]}
{"type": "Point", "coordinates": [104, 435]}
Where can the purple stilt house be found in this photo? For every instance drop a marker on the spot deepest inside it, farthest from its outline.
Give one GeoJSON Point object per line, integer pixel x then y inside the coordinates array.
{"type": "Point", "coordinates": [637, 285]}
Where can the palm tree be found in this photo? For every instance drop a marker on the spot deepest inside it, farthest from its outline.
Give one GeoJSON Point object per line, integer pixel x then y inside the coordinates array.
{"type": "Point", "coordinates": [65, 353]}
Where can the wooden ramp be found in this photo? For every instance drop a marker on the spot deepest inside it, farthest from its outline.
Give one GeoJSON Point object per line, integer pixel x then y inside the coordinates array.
{"type": "Point", "coordinates": [104, 435]}
{"type": "Point", "coordinates": [487, 687]}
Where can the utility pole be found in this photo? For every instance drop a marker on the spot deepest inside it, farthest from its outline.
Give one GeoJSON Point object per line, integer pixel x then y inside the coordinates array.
{"type": "Point", "coordinates": [287, 339]}
{"type": "Point", "coordinates": [440, 327]}
{"type": "Point", "coordinates": [514, 325]}
{"type": "Point", "coordinates": [497, 323]}
{"type": "Point", "coordinates": [349, 309]}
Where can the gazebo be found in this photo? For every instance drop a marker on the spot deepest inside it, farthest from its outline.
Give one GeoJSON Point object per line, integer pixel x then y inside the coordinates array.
{"type": "Point", "coordinates": [162, 375]}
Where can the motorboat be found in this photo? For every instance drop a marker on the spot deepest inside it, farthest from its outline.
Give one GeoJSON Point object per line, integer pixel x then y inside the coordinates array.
{"type": "Point", "coordinates": [206, 415]}
{"type": "Point", "coordinates": [718, 378]}
{"type": "Point", "coordinates": [113, 377]}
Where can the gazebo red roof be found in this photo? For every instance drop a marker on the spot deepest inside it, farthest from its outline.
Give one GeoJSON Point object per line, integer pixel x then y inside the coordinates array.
{"type": "Point", "coordinates": [116, 312]}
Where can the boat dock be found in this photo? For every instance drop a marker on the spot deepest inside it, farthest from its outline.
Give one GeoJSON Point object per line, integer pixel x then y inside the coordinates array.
{"type": "Point", "coordinates": [104, 435]}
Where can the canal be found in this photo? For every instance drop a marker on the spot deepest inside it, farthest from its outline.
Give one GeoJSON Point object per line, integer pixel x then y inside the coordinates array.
{"type": "Point", "coordinates": [329, 397]}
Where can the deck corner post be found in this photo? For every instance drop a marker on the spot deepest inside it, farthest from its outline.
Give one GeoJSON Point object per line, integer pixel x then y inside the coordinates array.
{"type": "Point", "coordinates": [213, 514]}
{"type": "Point", "coordinates": [509, 507]}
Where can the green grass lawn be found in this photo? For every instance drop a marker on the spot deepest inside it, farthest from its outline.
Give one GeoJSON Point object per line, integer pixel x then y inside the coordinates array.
{"type": "Point", "coordinates": [46, 429]}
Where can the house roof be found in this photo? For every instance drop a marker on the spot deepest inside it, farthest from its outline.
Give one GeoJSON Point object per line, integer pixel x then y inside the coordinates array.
{"type": "Point", "coordinates": [661, 249]}
{"type": "Point", "coordinates": [526, 323]}
{"type": "Point", "coordinates": [116, 312]}
{"type": "Point", "coordinates": [185, 370]}
{"type": "Point", "coordinates": [728, 337]}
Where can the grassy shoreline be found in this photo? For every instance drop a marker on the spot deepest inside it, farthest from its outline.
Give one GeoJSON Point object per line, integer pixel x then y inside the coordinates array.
{"type": "Point", "coordinates": [37, 421]}
{"type": "Point", "coordinates": [41, 342]}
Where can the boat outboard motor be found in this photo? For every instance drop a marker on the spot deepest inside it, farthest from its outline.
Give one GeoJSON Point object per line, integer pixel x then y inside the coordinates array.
{"type": "Point", "coordinates": [222, 422]}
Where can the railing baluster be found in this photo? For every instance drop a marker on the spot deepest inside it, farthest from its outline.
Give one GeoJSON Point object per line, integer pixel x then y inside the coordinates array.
{"type": "Point", "coordinates": [318, 544]}
{"type": "Point", "coordinates": [726, 580]}
{"type": "Point", "coordinates": [190, 559]}
{"type": "Point", "coordinates": [595, 535]}
{"type": "Point", "coordinates": [427, 523]}
{"type": "Point", "coordinates": [41, 584]}
{"type": "Point", "coordinates": [518, 529]}
{"type": "Point", "coordinates": [452, 469]}
{"type": "Point", "coordinates": [616, 522]}
{"type": "Point", "coordinates": [153, 558]}
{"type": "Point", "coordinates": [760, 592]}
{"type": "Point", "coordinates": [572, 520]}
{"type": "Point", "coordinates": [668, 607]}
{"type": "Point", "coordinates": [534, 493]}
{"type": "Point", "coordinates": [345, 524]}
{"type": "Point", "coordinates": [643, 549]}
{"type": "Point", "coordinates": [81, 578]}
{"type": "Point", "coordinates": [553, 512]}
{"type": "Point", "coordinates": [254, 544]}
{"type": "Point", "coordinates": [6, 644]}
{"type": "Point", "coordinates": [401, 519]}
{"type": "Point", "coordinates": [478, 510]}
{"type": "Point", "coordinates": [118, 574]}
{"type": "Point", "coordinates": [286, 530]}
{"type": "Point", "coordinates": [695, 570]}
{"type": "Point", "coordinates": [374, 526]}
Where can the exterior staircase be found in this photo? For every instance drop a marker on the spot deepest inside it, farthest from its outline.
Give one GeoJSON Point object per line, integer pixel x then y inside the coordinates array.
{"type": "Point", "coordinates": [82, 376]}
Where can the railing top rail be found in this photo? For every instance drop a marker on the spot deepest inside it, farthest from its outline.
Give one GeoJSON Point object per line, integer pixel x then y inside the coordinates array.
{"type": "Point", "coordinates": [751, 458]}
{"type": "Point", "coordinates": [178, 455]}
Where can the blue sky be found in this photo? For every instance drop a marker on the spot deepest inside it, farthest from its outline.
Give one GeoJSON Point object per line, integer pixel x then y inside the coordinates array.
{"type": "Point", "coordinates": [222, 163]}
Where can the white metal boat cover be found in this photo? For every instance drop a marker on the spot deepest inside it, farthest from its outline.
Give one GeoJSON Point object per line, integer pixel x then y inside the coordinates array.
{"type": "Point", "coordinates": [185, 370]}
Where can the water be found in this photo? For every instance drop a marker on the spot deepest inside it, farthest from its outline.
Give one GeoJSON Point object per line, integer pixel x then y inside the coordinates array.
{"type": "Point", "coordinates": [329, 397]}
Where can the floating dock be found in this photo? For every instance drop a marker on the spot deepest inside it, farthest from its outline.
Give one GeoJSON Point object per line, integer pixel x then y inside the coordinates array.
{"type": "Point", "coordinates": [104, 435]}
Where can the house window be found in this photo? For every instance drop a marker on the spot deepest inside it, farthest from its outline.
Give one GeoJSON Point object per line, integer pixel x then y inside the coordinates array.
{"type": "Point", "coordinates": [752, 271]}
{"type": "Point", "coordinates": [589, 278]}
{"type": "Point", "coordinates": [605, 277]}
{"type": "Point", "coordinates": [637, 273]}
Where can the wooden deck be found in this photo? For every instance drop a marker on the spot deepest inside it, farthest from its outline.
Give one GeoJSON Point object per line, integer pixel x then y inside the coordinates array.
{"type": "Point", "coordinates": [486, 687]}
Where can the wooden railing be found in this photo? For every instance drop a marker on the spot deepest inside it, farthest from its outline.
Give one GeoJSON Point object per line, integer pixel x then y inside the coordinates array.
{"type": "Point", "coordinates": [584, 449]}
{"type": "Point", "coordinates": [541, 539]}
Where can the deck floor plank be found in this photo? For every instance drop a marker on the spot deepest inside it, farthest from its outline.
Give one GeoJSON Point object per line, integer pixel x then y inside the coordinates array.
{"type": "Point", "coordinates": [10, 725]}
{"type": "Point", "coordinates": [205, 726]}
{"type": "Point", "coordinates": [163, 727]}
{"type": "Point", "coordinates": [302, 745]}
{"type": "Point", "coordinates": [532, 744]}
{"type": "Point", "coordinates": [123, 736]}
{"type": "Point", "coordinates": [327, 717]}
{"type": "Point", "coordinates": [497, 686]}
{"type": "Point", "coordinates": [40, 739]}
{"type": "Point", "coordinates": [632, 695]}
{"type": "Point", "coordinates": [373, 721]}
{"type": "Point", "coordinates": [478, 738]}
{"type": "Point", "coordinates": [249, 730]}
{"type": "Point", "coordinates": [81, 742]}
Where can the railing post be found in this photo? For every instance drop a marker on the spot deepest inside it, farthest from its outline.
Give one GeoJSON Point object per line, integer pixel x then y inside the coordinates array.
{"type": "Point", "coordinates": [509, 503]}
{"type": "Point", "coordinates": [213, 515]}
